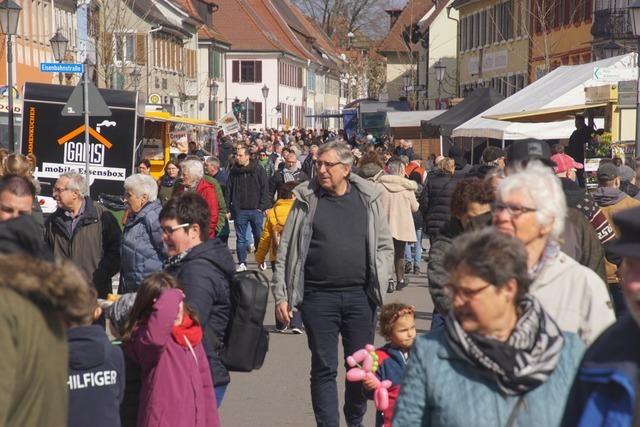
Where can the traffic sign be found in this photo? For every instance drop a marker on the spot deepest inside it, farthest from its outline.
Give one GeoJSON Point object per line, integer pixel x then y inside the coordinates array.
{"type": "Point", "coordinates": [97, 106]}
{"type": "Point", "coordinates": [612, 74]}
{"type": "Point", "coordinates": [56, 67]}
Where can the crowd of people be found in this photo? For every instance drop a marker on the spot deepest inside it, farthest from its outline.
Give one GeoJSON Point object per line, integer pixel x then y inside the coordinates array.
{"type": "Point", "coordinates": [535, 282]}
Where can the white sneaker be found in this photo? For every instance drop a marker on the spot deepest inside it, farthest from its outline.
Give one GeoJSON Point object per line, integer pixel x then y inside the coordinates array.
{"type": "Point", "coordinates": [241, 267]}
{"type": "Point", "coordinates": [296, 331]}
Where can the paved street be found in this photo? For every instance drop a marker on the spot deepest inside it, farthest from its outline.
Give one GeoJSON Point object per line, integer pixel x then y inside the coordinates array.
{"type": "Point", "coordinates": [278, 394]}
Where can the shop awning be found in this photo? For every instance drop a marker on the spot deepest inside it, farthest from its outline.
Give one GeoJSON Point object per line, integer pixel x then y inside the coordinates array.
{"type": "Point", "coordinates": [161, 116]}
{"type": "Point", "coordinates": [546, 114]}
{"type": "Point", "coordinates": [558, 93]}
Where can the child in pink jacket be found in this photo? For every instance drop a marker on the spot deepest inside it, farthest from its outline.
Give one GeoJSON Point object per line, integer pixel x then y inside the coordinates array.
{"type": "Point", "coordinates": [165, 338]}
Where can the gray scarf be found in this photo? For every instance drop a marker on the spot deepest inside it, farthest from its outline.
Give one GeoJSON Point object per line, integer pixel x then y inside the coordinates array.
{"type": "Point", "coordinates": [524, 361]}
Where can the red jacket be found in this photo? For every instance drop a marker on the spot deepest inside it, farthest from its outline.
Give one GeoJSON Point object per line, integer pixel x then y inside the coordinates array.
{"type": "Point", "coordinates": [208, 193]}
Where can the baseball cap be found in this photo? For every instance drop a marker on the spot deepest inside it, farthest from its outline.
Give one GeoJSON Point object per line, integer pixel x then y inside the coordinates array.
{"type": "Point", "coordinates": [626, 173]}
{"type": "Point", "coordinates": [608, 172]}
{"type": "Point", "coordinates": [564, 162]}
{"type": "Point", "coordinates": [528, 149]}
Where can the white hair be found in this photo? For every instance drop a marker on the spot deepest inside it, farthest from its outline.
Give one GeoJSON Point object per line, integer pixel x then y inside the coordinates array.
{"type": "Point", "coordinates": [545, 190]}
{"type": "Point", "coordinates": [194, 168]}
{"type": "Point", "coordinates": [141, 185]}
{"type": "Point", "coordinates": [76, 182]}
{"type": "Point", "coordinates": [345, 156]}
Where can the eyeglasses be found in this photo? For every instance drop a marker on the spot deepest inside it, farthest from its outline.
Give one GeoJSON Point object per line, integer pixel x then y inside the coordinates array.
{"type": "Point", "coordinates": [514, 210]}
{"type": "Point", "coordinates": [171, 230]}
{"type": "Point", "coordinates": [327, 165]}
{"type": "Point", "coordinates": [59, 190]}
{"type": "Point", "coordinates": [464, 293]}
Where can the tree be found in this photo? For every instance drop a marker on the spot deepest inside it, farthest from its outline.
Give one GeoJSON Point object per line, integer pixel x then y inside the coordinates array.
{"type": "Point", "coordinates": [339, 17]}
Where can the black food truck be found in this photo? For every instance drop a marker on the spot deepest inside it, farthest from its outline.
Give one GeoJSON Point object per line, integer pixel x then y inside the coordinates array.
{"type": "Point", "coordinates": [58, 141]}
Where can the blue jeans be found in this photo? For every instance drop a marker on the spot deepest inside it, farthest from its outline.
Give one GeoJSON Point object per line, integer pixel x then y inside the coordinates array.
{"type": "Point", "coordinates": [327, 315]}
{"type": "Point", "coordinates": [220, 390]}
{"type": "Point", "coordinates": [243, 220]}
{"type": "Point", "coordinates": [416, 247]}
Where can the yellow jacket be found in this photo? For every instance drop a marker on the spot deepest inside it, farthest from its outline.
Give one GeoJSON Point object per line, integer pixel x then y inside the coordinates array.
{"type": "Point", "coordinates": [277, 215]}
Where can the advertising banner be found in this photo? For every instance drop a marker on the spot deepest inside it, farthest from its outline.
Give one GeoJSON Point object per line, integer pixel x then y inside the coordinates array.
{"type": "Point", "coordinates": [58, 141]}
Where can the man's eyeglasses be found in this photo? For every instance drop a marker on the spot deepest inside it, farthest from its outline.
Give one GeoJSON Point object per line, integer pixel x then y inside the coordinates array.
{"type": "Point", "coordinates": [514, 210]}
{"type": "Point", "coordinates": [464, 293]}
{"type": "Point", "coordinates": [171, 230]}
{"type": "Point", "coordinates": [59, 190]}
{"type": "Point", "coordinates": [327, 165]}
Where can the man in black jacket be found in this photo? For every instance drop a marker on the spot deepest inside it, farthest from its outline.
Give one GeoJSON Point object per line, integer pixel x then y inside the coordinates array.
{"type": "Point", "coordinates": [247, 196]}
{"type": "Point", "coordinates": [84, 232]}
{"type": "Point", "coordinates": [204, 267]}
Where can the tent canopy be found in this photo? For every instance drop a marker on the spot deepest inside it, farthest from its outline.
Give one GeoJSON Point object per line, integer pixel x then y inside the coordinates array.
{"type": "Point", "coordinates": [563, 88]}
{"type": "Point", "coordinates": [403, 119]}
{"type": "Point", "coordinates": [479, 100]}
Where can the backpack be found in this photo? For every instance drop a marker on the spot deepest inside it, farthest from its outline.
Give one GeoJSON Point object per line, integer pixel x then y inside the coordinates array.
{"type": "Point", "coordinates": [246, 341]}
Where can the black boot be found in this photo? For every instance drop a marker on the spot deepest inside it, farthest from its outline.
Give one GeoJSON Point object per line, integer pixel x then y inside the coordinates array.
{"type": "Point", "coordinates": [402, 284]}
{"type": "Point", "coordinates": [392, 286]}
{"type": "Point", "coordinates": [407, 267]}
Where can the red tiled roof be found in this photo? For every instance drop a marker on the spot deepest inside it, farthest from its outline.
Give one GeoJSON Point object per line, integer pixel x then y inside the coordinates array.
{"type": "Point", "coordinates": [412, 13]}
{"type": "Point", "coordinates": [249, 25]}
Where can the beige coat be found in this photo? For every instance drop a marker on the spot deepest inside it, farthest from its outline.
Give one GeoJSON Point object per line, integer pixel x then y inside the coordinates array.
{"type": "Point", "coordinates": [398, 203]}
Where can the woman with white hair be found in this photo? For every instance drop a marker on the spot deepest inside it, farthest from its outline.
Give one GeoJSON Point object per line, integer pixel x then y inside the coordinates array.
{"type": "Point", "coordinates": [531, 206]}
{"type": "Point", "coordinates": [142, 250]}
{"type": "Point", "coordinates": [193, 180]}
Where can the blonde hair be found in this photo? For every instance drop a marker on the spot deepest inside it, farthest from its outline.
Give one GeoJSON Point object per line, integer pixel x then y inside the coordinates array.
{"type": "Point", "coordinates": [17, 164]}
{"type": "Point", "coordinates": [447, 165]}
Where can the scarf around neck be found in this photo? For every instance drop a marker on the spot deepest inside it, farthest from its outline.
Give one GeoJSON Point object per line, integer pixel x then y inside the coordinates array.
{"type": "Point", "coordinates": [187, 333]}
{"type": "Point", "coordinates": [524, 361]}
{"type": "Point", "coordinates": [176, 259]}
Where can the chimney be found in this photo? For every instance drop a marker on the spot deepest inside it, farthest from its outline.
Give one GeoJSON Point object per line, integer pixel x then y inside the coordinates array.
{"type": "Point", "coordinates": [394, 14]}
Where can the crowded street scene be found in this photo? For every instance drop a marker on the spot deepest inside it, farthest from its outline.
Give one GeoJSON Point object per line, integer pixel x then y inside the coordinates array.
{"type": "Point", "coordinates": [354, 213]}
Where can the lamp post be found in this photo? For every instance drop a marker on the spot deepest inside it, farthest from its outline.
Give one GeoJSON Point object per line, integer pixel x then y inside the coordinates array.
{"type": "Point", "coordinates": [9, 15]}
{"type": "Point", "coordinates": [265, 95]}
{"type": "Point", "coordinates": [135, 75]}
{"type": "Point", "coordinates": [59, 47]}
{"type": "Point", "coordinates": [213, 93]}
{"type": "Point", "coordinates": [440, 69]}
{"type": "Point", "coordinates": [634, 14]}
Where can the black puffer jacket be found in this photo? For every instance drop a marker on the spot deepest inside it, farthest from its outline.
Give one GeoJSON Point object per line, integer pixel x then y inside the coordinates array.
{"type": "Point", "coordinates": [436, 198]}
{"type": "Point", "coordinates": [205, 274]}
{"type": "Point", "coordinates": [247, 188]}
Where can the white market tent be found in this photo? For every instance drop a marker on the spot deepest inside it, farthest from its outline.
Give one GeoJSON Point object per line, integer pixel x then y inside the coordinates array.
{"type": "Point", "coordinates": [561, 90]}
{"type": "Point", "coordinates": [404, 119]}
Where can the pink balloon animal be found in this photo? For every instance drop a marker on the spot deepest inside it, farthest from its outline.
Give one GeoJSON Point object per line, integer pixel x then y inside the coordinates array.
{"type": "Point", "coordinates": [364, 364]}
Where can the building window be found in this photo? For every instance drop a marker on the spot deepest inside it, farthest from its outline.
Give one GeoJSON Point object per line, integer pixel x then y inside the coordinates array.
{"type": "Point", "coordinates": [246, 71]}
{"type": "Point", "coordinates": [311, 80]}
{"type": "Point", "coordinates": [216, 64]}
{"type": "Point", "coordinates": [255, 112]}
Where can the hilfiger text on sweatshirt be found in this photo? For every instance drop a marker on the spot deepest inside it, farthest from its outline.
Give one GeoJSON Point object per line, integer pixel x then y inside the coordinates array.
{"type": "Point", "coordinates": [92, 379]}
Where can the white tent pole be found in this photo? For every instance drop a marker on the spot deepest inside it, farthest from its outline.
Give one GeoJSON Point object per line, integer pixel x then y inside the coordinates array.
{"type": "Point", "coordinates": [503, 143]}
{"type": "Point", "coordinates": [441, 147]}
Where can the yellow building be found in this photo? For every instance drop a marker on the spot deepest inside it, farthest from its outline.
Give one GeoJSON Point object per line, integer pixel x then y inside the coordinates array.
{"type": "Point", "coordinates": [560, 35]}
{"type": "Point", "coordinates": [494, 45]}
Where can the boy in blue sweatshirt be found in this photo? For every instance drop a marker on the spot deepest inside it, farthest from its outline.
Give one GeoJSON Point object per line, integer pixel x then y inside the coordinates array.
{"type": "Point", "coordinates": [96, 368]}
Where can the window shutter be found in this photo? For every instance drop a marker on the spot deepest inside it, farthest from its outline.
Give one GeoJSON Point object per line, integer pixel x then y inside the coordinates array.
{"type": "Point", "coordinates": [141, 49]}
{"type": "Point", "coordinates": [235, 72]}
{"type": "Point", "coordinates": [258, 72]}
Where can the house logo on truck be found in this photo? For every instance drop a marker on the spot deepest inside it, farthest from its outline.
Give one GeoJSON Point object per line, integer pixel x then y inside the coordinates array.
{"type": "Point", "coordinates": [74, 150]}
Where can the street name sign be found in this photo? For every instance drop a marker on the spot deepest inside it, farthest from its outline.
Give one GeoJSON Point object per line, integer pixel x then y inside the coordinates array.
{"type": "Point", "coordinates": [612, 74]}
{"type": "Point", "coordinates": [56, 67]}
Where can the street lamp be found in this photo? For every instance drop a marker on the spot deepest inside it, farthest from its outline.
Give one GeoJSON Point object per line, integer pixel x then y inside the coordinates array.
{"type": "Point", "coordinates": [265, 95]}
{"type": "Point", "coordinates": [350, 37]}
{"type": "Point", "coordinates": [213, 93]}
{"type": "Point", "coordinates": [9, 15]}
{"type": "Point", "coordinates": [634, 14]}
{"type": "Point", "coordinates": [59, 47]}
{"type": "Point", "coordinates": [440, 69]}
{"type": "Point", "coordinates": [135, 75]}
